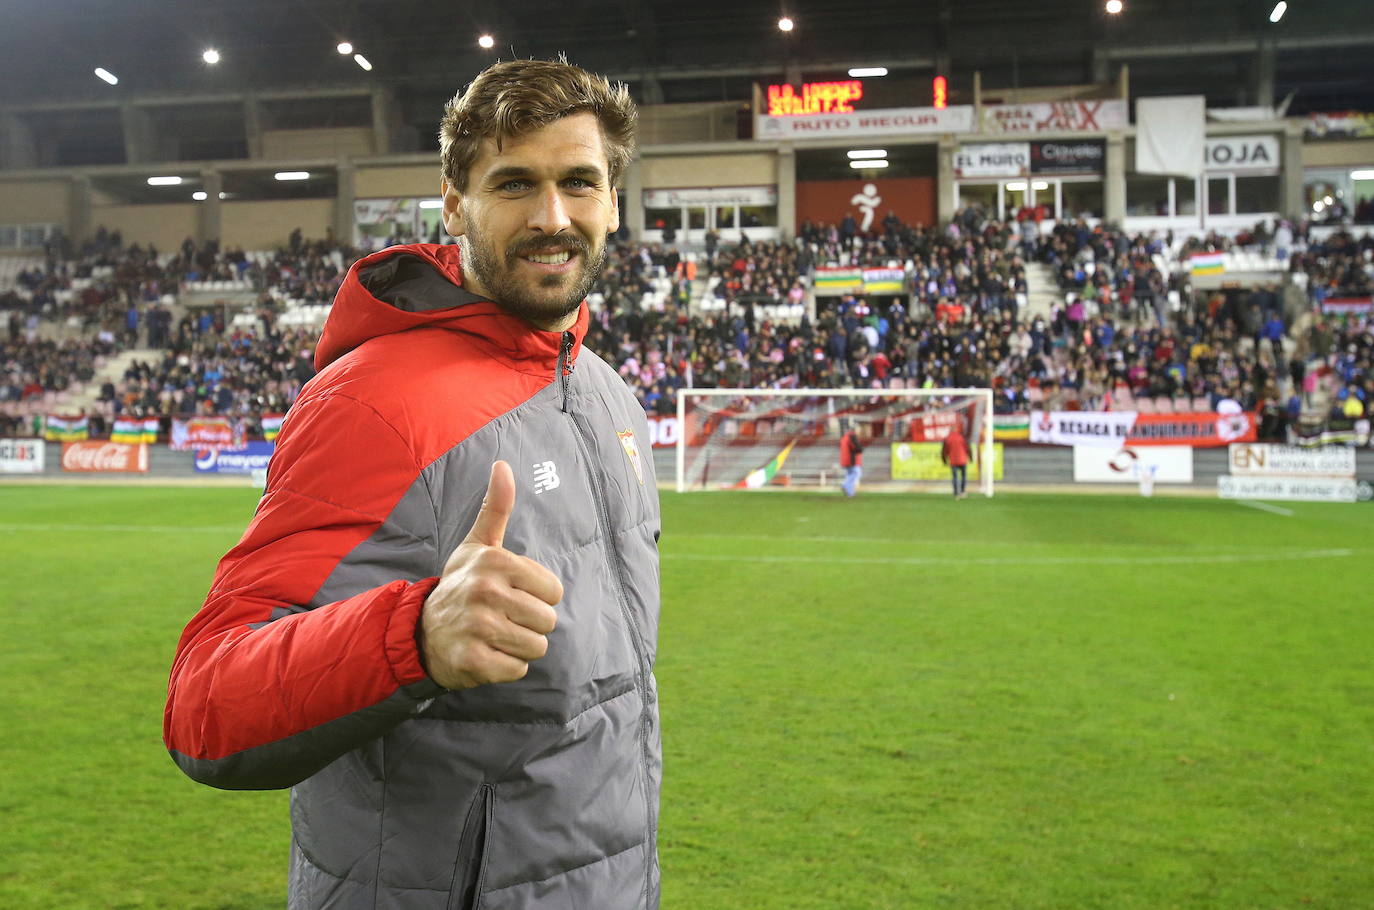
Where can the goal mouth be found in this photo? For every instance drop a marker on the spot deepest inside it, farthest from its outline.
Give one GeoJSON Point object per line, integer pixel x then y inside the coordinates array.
{"type": "Point", "coordinates": [789, 439]}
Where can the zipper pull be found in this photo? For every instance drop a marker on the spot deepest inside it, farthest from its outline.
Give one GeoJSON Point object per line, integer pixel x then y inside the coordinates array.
{"type": "Point", "coordinates": [565, 366]}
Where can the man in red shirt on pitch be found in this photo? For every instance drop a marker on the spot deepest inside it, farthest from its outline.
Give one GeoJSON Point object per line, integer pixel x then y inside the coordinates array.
{"type": "Point", "coordinates": [954, 452]}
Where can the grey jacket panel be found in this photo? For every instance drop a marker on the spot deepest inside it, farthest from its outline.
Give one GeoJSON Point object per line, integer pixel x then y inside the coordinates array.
{"type": "Point", "coordinates": [565, 762]}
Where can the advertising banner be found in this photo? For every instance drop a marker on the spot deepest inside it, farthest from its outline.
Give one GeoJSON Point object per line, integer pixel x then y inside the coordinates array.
{"type": "Point", "coordinates": [1265, 459]}
{"type": "Point", "coordinates": [1343, 125]}
{"type": "Point", "coordinates": [251, 457]}
{"type": "Point", "coordinates": [205, 433]}
{"type": "Point", "coordinates": [1308, 489]}
{"type": "Point", "coordinates": [1197, 430]}
{"type": "Point", "coordinates": [1055, 117]}
{"type": "Point", "coordinates": [721, 195]}
{"type": "Point", "coordinates": [1169, 464]}
{"type": "Point", "coordinates": [884, 281]}
{"type": "Point", "coordinates": [921, 461]}
{"type": "Point", "coordinates": [894, 121]}
{"type": "Point", "coordinates": [1242, 153]}
{"type": "Point", "coordinates": [1348, 305]}
{"type": "Point", "coordinates": [662, 432]}
{"type": "Point", "coordinates": [21, 456]}
{"type": "Point", "coordinates": [1081, 428]}
{"type": "Point", "coordinates": [105, 457]}
{"type": "Point", "coordinates": [1011, 427]}
{"type": "Point", "coordinates": [1084, 157]}
{"type": "Point", "coordinates": [992, 159]}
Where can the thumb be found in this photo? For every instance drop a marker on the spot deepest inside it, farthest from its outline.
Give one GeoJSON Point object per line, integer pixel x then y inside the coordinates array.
{"type": "Point", "coordinates": [490, 527]}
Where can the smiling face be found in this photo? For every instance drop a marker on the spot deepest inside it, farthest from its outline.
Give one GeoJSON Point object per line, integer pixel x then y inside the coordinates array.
{"type": "Point", "coordinates": [534, 219]}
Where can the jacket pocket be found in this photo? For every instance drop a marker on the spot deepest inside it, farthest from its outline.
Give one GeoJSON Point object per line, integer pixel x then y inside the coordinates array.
{"type": "Point", "coordinates": [466, 890]}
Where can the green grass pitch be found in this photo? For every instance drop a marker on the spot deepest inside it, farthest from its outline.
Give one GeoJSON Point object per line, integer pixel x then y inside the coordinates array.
{"type": "Point", "coordinates": [1034, 701]}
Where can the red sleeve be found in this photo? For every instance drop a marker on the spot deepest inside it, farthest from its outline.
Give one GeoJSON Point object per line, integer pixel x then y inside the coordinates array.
{"type": "Point", "coordinates": [264, 689]}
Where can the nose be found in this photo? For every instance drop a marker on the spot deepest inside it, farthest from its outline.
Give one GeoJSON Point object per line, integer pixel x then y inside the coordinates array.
{"type": "Point", "coordinates": [549, 214]}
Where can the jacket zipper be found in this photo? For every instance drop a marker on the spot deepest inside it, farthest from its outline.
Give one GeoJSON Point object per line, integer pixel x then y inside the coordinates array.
{"type": "Point", "coordinates": [583, 436]}
{"type": "Point", "coordinates": [565, 366]}
{"type": "Point", "coordinates": [472, 849]}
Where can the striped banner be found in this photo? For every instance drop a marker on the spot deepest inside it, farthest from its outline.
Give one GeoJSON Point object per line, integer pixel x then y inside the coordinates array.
{"type": "Point", "coordinates": [271, 426]}
{"type": "Point", "coordinates": [59, 428]}
{"type": "Point", "coordinates": [1207, 263]}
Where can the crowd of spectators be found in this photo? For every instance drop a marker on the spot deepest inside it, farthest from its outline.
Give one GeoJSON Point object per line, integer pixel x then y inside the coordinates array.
{"type": "Point", "coordinates": [1110, 342]}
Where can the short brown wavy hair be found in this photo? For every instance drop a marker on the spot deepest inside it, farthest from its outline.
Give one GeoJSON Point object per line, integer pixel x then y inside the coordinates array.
{"type": "Point", "coordinates": [508, 100]}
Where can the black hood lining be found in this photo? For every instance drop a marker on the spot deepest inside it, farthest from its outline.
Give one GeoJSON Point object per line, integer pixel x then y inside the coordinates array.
{"type": "Point", "coordinates": [412, 284]}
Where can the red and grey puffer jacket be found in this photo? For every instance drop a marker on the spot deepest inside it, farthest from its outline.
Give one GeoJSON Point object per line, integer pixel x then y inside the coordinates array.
{"type": "Point", "coordinates": [302, 670]}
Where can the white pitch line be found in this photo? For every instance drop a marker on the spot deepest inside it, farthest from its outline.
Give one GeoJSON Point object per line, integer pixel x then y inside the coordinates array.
{"type": "Point", "coordinates": [996, 561]}
{"type": "Point", "coordinates": [121, 529]}
{"type": "Point", "coordinates": [1265, 507]}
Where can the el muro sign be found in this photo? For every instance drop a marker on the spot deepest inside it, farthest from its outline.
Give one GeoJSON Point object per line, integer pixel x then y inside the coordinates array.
{"type": "Point", "coordinates": [105, 457]}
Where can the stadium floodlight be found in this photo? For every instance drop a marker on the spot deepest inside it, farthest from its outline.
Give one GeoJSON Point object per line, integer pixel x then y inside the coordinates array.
{"type": "Point", "coordinates": [106, 75]}
{"type": "Point", "coordinates": [344, 48]}
{"type": "Point", "coordinates": [363, 62]}
{"type": "Point", "coordinates": [164, 181]}
{"type": "Point", "coordinates": [1279, 9]}
{"type": "Point", "coordinates": [1016, 186]}
{"type": "Point", "coordinates": [865, 163]}
{"type": "Point", "coordinates": [1318, 206]}
{"type": "Point", "coordinates": [292, 175]}
{"type": "Point", "coordinates": [1114, 7]}
{"type": "Point", "coordinates": [789, 438]}
{"type": "Point", "coordinates": [866, 153]}
{"type": "Point", "coordinates": [486, 42]}
{"type": "Point", "coordinates": [1362, 175]}
{"type": "Point", "coordinates": [862, 72]}
{"type": "Point", "coordinates": [785, 24]}
{"type": "Point", "coordinates": [211, 56]}
{"type": "Point", "coordinates": [200, 195]}
{"type": "Point", "coordinates": [1040, 185]}
{"type": "Point", "coordinates": [431, 203]}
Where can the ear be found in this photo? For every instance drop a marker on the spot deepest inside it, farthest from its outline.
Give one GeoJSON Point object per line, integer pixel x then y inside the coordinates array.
{"type": "Point", "coordinates": [453, 209]}
{"type": "Point", "coordinates": [615, 211]}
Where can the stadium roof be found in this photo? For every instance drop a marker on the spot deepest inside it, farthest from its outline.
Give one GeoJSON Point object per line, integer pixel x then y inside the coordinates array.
{"type": "Point", "coordinates": [698, 50]}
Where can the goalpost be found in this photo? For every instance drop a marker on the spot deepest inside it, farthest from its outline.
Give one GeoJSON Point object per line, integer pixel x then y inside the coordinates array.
{"type": "Point", "coordinates": [789, 438]}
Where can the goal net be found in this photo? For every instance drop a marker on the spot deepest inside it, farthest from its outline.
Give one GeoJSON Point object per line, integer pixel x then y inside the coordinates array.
{"type": "Point", "coordinates": [790, 438]}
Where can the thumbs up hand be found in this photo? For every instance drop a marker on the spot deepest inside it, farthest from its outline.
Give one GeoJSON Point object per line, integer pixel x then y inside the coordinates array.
{"type": "Point", "coordinates": [492, 610]}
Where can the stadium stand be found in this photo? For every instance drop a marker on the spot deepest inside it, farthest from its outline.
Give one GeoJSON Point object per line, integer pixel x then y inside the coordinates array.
{"type": "Point", "coordinates": [230, 332]}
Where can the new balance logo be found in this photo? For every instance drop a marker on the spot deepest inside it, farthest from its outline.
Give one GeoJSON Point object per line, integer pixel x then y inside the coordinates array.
{"type": "Point", "coordinates": [545, 477]}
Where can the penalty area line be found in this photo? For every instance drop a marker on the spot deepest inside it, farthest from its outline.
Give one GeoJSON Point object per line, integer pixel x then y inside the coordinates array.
{"type": "Point", "coordinates": [1265, 507]}
{"type": "Point", "coordinates": [1206, 559]}
{"type": "Point", "coordinates": [123, 529]}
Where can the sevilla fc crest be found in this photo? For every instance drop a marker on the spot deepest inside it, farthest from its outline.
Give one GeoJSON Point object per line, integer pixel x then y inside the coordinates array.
{"type": "Point", "coordinates": [627, 442]}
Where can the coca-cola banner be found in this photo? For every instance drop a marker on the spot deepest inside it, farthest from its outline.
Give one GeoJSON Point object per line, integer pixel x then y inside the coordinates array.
{"type": "Point", "coordinates": [105, 457]}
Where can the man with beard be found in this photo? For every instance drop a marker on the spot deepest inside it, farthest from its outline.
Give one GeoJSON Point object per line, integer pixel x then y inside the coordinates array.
{"type": "Point", "coordinates": [439, 629]}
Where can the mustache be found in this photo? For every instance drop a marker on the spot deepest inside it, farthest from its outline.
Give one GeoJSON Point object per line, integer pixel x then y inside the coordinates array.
{"type": "Point", "coordinates": [543, 246]}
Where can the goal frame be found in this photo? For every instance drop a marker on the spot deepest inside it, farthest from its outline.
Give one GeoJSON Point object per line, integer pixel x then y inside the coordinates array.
{"type": "Point", "coordinates": [984, 477]}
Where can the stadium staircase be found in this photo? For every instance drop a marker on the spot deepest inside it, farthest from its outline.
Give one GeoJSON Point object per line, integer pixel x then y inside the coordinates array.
{"type": "Point", "coordinates": [1042, 291]}
{"type": "Point", "coordinates": [85, 398]}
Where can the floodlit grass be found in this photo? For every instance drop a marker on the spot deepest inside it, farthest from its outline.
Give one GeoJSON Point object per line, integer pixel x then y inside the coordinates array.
{"type": "Point", "coordinates": [893, 702]}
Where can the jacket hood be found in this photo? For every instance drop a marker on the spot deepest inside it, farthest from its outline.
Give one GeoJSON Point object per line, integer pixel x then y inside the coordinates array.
{"type": "Point", "coordinates": [420, 285]}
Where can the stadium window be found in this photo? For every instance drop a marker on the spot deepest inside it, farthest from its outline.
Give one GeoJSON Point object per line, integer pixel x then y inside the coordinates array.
{"type": "Point", "coordinates": [1147, 194]}
{"type": "Point", "coordinates": [1256, 194]}
{"type": "Point", "coordinates": [758, 216]}
{"type": "Point", "coordinates": [661, 219]}
{"type": "Point", "coordinates": [1185, 196]}
{"type": "Point", "coordinates": [725, 216]}
{"type": "Point", "coordinates": [32, 236]}
{"type": "Point", "coordinates": [1081, 198]}
{"type": "Point", "coordinates": [9, 236]}
{"type": "Point", "coordinates": [1218, 195]}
